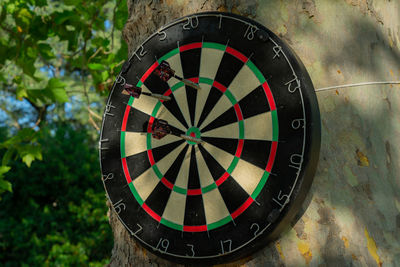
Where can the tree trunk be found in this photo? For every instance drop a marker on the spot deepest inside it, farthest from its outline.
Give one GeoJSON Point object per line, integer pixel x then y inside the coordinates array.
{"type": "Point", "coordinates": [352, 215]}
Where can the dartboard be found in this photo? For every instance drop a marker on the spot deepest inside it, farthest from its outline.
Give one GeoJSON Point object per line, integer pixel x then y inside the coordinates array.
{"type": "Point", "coordinates": [210, 139]}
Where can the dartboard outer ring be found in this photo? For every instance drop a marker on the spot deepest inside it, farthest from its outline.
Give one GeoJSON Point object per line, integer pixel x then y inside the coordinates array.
{"type": "Point", "coordinates": [126, 199]}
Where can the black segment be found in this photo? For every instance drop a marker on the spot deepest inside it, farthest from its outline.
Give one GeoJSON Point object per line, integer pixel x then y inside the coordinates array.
{"type": "Point", "coordinates": [256, 152]}
{"type": "Point", "coordinates": [191, 96]}
{"type": "Point", "coordinates": [137, 121]}
{"type": "Point", "coordinates": [157, 200]}
{"type": "Point", "coordinates": [194, 211]}
{"type": "Point", "coordinates": [214, 167]}
{"type": "Point", "coordinates": [225, 118]}
{"type": "Point", "coordinates": [212, 99]}
{"type": "Point", "coordinates": [156, 85]}
{"type": "Point", "coordinates": [173, 171]}
{"type": "Point", "coordinates": [194, 179]}
{"type": "Point", "coordinates": [228, 69]}
{"type": "Point", "coordinates": [175, 131]}
{"type": "Point", "coordinates": [173, 107]}
{"type": "Point", "coordinates": [254, 103]}
{"type": "Point", "coordinates": [190, 61]}
{"type": "Point", "coordinates": [227, 144]}
{"type": "Point", "coordinates": [232, 194]}
{"type": "Point", "coordinates": [162, 151]}
{"type": "Point", "coordinates": [138, 164]}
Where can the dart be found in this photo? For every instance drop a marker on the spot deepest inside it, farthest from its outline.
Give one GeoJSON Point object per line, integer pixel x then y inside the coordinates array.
{"type": "Point", "coordinates": [165, 72]}
{"type": "Point", "coordinates": [135, 92]}
{"type": "Point", "coordinates": [161, 128]}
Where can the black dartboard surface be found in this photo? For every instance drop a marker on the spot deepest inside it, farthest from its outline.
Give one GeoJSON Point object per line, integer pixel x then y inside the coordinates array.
{"type": "Point", "coordinates": [256, 120]}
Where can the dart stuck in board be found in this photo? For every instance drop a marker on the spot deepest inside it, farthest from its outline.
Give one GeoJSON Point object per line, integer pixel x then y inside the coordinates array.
{"type": "Point", "coordinates": [212, 175]}
{"type": "Point", "coordinates": [164, 72]}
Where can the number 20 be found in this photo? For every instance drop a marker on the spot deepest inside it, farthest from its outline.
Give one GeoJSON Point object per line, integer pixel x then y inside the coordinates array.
{"type": "Point", "coordinates": [190, 23]}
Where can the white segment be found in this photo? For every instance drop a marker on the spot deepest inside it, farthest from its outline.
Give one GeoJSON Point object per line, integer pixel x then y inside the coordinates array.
{"type": "Point", "coordinates": [210, 60]}
{"type": "Point", "coordinates": [214, 206]}
{"type": "Point", "coordinates": [258, 127]}
{"type": "Point", "coordinates": [175, 63]}
{"type": "Point", "coordinates": [227, 131]}
{"type": "Point", "coordinates": [145, 103]}
{"type": "Point", "coordinates": [201, 100]}
{"type": "Point", "coordinates": [204, 173]}
{"type": "Point", "coordinates": [164, 114]}
{"type": "Point", "coordinates": [134, 143]}
{"type": "Point", "coordinates": [166, 162]}
{"type": "Point", "coordinates": [183, 175]}
{"type": "Point", "coordinates": [169, 138]}
{"type": "Point", "coordinates": [247, 175]}
{"type": "Point", "coordinates": [175, 208]}
{"type": "Point", "coordinates": [146, 183]}
{"type": "Point", "coordinates": [180, 97]}
{"type": "Point", "coordinates": [220, 107]}
{"type": "Point", "coordinates": [222, 157]}
{"type": "Point", "coordinates": [244, 82]}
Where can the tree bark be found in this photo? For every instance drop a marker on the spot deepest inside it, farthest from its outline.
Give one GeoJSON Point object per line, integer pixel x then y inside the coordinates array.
{"type": "Point", "coordinates": [352, 215]}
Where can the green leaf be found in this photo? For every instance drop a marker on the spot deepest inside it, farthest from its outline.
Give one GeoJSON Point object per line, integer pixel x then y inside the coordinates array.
{"type": "Point", "coordinates": [60, 95]}
{"type": "Point", "coordinates": [55, 83]}
{"type": "Point", "coordinates": [23, 135]}
{"type": "Point", "coordinates": [5, 185]}
{"type": "Point", "coordinates": [21, 92]}
{"type": "Point", "coordinates": [55, 90]}
{"type": "Point", "coordinates": [60, 18]}
{"type": "Point", "coordinates": [31, 52]}
{"type": "Point", "coordinates": [95, 66]}
{"type": "Point", "coordinates": [3, 170]}
{"type": "Point", "coordinates": [104, 75]}
{"type": "Point", "coordinates": [23, 17]}
{"type": "Point", "coordinates": [30, 153]}
{"type": "Point", "coordinates": [11, 8]}
{"type": "Point", "coordinates": [7, 156]}
{"type": "Point", "coordinates": [46, 51]}
{"type": "Point", "coordinates": [27, 65]}
{"type": "Point", "coordinates": [27, 159]}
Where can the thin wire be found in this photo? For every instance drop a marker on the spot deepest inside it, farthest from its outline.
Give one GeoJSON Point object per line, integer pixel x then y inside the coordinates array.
{"type": "Point", "coordinates": [354, 85]}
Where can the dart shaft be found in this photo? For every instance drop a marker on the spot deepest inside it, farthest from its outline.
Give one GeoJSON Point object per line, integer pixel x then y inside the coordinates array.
{"type": "Point", "coordinates": [188, 82]}
{"type": "Point", "coordinates": [192, 139]}
{"type": "Point", "coordinates": [158, 96]}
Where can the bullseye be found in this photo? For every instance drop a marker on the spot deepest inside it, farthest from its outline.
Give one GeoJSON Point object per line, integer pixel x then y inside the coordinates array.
{"type": "Point", "coordinates": [193, 132]}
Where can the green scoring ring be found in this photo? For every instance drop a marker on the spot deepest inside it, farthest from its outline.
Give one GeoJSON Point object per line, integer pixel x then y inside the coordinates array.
{"type": "Point", "coordinates": [232, 166]}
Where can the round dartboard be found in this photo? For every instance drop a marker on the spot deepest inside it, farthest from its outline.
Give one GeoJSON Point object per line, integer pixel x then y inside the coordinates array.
{"type": "Point", "coordinates": [210, 139]}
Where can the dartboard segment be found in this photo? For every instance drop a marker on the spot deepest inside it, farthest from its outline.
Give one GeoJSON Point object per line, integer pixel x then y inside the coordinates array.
{"type": "Point", "coordinates": [211, 56]}
{"type": "Point", "coordinates": [190, 60]}
{"type": "Point", "coordinates": [174, 212]}
{"type": "Point", "coordinates": [206, 180]}
{"type": "Point", "coordinates": [171, 174]}
{"type": "Point", "coordinates": [231, 130]}
{"type": "Point", "coordinates": [213, 173]}
{"type": "Point", "coordinates": [163, 165]}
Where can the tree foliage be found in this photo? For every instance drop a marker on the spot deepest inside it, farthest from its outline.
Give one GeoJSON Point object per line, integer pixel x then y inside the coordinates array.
{"type": "Point", "coordinates": [54, 55]}
{"type": "Point", "coordinates": [58, 59]}
{"type": "Point", "coordinates": [56, 215]}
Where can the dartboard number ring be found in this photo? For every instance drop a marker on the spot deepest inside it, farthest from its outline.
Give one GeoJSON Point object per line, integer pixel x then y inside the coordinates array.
{"type": "Point", "coordinates": [212, 136]}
